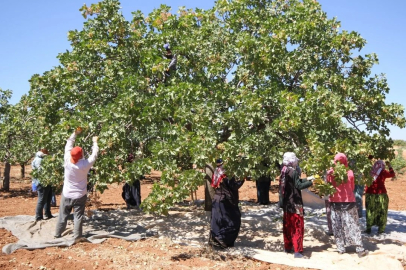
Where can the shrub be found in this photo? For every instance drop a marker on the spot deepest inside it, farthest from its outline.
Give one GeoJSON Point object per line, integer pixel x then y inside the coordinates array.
{"type": "Point", "coordinates": [399, 143]}
{"type": "Point", "coordinates": [399, 163]}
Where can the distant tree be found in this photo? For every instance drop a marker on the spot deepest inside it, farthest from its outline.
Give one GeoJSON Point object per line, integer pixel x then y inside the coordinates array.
{"type": "Point", "coordinates": [18, 137]}
{"type": "Point", "coordinates": [253, 79]}
{"type": "Point", "coordinates": [27, 134]}
{"type": "Point", "coordinates": [5, 153]}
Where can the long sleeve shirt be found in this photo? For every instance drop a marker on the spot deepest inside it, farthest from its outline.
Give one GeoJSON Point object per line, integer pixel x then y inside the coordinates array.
{"type": "Point", "coordinates": [378, 186]}
{"type": "Point", "coordinates": [344, 191]}
{"type": "Point", "coordinates": [228, 191]}
{"type": "Point", "coordinates": [74, 186]}
{"type": "Point", "coordinates": [292, 197]}
{"type": "Point", "coordinates": [36, 164]}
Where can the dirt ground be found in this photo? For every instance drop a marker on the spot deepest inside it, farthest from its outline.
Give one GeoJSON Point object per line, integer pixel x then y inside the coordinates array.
{"type": "Point", "coordinates": [151, 253]}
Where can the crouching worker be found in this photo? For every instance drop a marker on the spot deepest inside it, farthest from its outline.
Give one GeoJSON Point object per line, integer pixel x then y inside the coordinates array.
{"type": "Point", "coordinates": [132, 189]}
{"type": "Point", "coordinates": [74, 193]}
{"type": "Point", "coordinates": [132, 194]}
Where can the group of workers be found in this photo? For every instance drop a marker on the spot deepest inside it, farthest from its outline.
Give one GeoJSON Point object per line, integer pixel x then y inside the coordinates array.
{"type": "Point", "coordinates": [343, 215]}
{"type": "Point", "coordinates": [225, 218]}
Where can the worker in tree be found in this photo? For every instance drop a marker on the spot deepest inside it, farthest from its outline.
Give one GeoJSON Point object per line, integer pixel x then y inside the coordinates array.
{"type": "Point", "coordinates": [174, 59]}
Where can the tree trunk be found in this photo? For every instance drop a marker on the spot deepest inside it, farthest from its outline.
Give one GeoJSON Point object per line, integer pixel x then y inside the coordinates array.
{"type": "Point", "coordinates": [22, 170]}
{"type": "Point", "coordinates": [6, 180]}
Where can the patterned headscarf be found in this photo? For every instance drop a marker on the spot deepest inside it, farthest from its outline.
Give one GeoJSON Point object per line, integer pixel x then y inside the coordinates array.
{"type": "Point", "coordinates": [218, 175]}
{"type": "Point", "coordinates": [289, 160]}
{"type": "Point", "coordinates": [378, 167]}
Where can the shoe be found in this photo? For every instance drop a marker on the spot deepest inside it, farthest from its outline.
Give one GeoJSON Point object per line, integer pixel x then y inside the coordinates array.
{"type": "Point", "coordinates": [299, 255]}
{"type": "Point", "coordinates": [214, 244]}
{"type": "Point", "coordinates": [57, 236]}
{"type": "Point", "coordinates": [80, 239]}
{"type": "Point", "coordinates": [329, 233]}
{"type": "Point", "coordinates": [220, 242]}
{"type": "Point", "coordinates": [289, 251]}
{"type": "Point", "coordinates": [49, 217]}
{"type": "Point", "coordinates": [341, 252]}
{"type": "Point", "coordinates": [39, 218]}
{"type": "Point", "coordinates": [363, 253]}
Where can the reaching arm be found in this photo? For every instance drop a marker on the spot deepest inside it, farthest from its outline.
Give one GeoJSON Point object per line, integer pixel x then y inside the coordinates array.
{"type": "Point", "coordinates": [388, 174]}
{"type": "Point", "coordinates": [95, 150]}
{"type": "Point", "coordinates": [69, 144]}
{"type": "Point", "coordinates": [235, 184]}
{"type": "Point", "coordinates": [301, 183]}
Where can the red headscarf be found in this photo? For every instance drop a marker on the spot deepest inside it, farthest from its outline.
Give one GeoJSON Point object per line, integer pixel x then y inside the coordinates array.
{"type": "Point", "coordinates": [340, 157]}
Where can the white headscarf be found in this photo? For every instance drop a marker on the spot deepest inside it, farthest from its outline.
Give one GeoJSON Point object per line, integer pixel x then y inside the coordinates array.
{"type": "Point", "coordinates": [290, 160]}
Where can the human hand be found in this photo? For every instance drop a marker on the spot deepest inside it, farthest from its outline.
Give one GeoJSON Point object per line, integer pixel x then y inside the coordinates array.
{"type": "Point", "coordinates": [310, 178]}
{"type": "Point", "coordinates": [78, 130]}
{"type": "Point", "coordinates": [95, 138]}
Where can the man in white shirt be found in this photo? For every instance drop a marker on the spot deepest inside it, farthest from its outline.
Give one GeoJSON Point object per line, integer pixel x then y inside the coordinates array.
{"type": "Point", "coordinates": [74, 193]}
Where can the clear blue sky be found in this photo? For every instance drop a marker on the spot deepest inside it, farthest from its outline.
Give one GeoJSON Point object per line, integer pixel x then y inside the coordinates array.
{"type": "Point", "coordinates": [34, 32]}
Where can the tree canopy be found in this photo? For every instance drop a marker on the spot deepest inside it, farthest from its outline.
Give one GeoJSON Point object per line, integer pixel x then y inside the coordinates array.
{"type": "Point", "coordinates": [20, 132]}
{"type": "Point", "coordinates": [253, 79]}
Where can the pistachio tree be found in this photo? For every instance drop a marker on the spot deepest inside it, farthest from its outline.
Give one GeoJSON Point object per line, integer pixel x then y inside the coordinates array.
{"type": "Point", "coordinates": [19, 134]}
{"type": "Point", "coordinates": [5, 95]}
{"type": "Point", "coordinates": [253, 79]}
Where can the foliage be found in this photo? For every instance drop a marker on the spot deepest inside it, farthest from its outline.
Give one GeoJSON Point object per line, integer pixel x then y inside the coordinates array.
{"type": "Point", "coordinates": [49, 164]}
{"type": "Point", "coordinates": [5, 95]}
{"type": "Point", "coordinates": [323, 188]}
{"type": "Point", "coordinates": [19, 129]}
{"type": "Point", "coordinates": [5, 136]}
{"type": "Point", "coordinates": [254, 79]}
{"type": "Point", "coordinates": [399, 143]}
{"type": "Point", "coordinates": [399, 163]}
{"type": "Point", "coordinates": [340, 173]}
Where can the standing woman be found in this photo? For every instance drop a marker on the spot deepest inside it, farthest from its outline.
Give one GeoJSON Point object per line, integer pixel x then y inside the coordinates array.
{"type": "Point", "coordinates": [225, 214]}
{"type": "Point", "coordinates": [376, 197]}
{"type": "Point", "coordinates": [344, 213]}
{"type": "Point", "coordinates": [290, 199]}
{"type": "Point", "coordinates": [263, 184]}
{"type": "Point", "coordinates": [44, 191]}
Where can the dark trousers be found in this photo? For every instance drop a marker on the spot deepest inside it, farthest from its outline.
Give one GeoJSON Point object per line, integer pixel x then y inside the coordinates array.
{"type": "Point", "coordinates": [65, 207]}
{"type": "Point", "coordinates": [263, 191]}
{"type": "Point", "coordinates": [44, 202]}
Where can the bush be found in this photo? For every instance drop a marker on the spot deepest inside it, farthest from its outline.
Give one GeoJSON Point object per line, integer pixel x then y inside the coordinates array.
{"type": "Point", "coordinates": [399, 162]}
{"type": "Point", "coordinates": [399, 143]}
